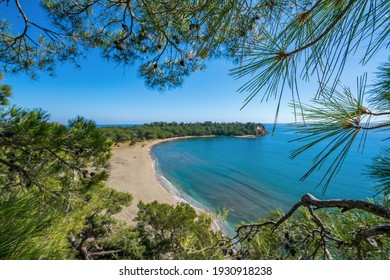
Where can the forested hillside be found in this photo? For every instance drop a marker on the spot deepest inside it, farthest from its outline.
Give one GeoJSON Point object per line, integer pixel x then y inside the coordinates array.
{"type": "Point", "coordinates": [163, 130]}
{"type": "Point", "coordinates": [54, 203]}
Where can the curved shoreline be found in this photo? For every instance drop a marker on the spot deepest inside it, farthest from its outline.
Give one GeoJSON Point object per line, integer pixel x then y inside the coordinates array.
{"type": "Point", "coordinates": [133, 171]}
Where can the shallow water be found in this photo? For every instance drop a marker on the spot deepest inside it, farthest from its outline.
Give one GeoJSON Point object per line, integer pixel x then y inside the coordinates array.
{"type": "Point", "coordinates": [250, 177]}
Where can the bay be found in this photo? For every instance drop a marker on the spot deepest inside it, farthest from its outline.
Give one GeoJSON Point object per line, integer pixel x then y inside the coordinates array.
{"type": "Point", "coordinates": [250, 177]}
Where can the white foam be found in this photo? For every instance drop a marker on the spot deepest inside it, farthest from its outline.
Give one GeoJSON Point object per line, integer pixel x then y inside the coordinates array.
{"type": "Point", "coordinates": [167, 186]}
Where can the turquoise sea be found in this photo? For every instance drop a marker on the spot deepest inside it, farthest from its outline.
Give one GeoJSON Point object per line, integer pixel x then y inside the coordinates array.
{"type": "Point", "coordinates": [250, 177]}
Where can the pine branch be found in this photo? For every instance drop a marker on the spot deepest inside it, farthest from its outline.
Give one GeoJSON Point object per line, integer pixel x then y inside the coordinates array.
{"type": "Point", "coordinates": [320, 240]}
{"type": "Point", "coordinates": [82, 249]}
{"type": "Point", "coordinates": [104, 253]}
{"type": "Point", "coordinates": [373, 127]}
{"type": "Point", "coordinates": [327, 30]}
{"type": "Point", "coordinates": [346, 204]}
{"type": "Point", "coordinates": [52, 34]}
{"type": "Point", "coordinates": [253, 230]}
{"type": "Point", "coordinates": [377, 114]}
{"type": "Point", "coordinates": [378, 230]}
{"type": "Point", "coordinates": [288, 215]}
{"type": "Point", "coordinates": [15, 167]}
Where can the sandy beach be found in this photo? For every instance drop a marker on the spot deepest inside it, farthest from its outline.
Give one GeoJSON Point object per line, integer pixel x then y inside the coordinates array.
{"type": "Point", "coordinates": [132, 171]}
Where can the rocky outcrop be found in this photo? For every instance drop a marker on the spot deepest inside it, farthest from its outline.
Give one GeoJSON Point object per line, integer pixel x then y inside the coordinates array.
{"type": "Point", "coordinates": [260, 131]}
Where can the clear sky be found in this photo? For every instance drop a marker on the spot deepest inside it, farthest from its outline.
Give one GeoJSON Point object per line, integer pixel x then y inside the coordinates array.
{"type": "Point", "coordinates": [108, 95]}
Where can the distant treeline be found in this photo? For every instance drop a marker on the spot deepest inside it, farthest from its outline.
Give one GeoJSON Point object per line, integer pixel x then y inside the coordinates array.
{"type": "Point", "coordinates": [163, 130]}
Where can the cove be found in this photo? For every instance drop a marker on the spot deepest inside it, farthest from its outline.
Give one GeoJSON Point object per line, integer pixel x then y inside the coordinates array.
{"type": "Point", "coordinates": [250, 177]}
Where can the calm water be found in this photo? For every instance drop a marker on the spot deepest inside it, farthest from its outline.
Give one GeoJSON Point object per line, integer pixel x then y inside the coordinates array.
{"type": "Point", "coordinates": [250, 177]}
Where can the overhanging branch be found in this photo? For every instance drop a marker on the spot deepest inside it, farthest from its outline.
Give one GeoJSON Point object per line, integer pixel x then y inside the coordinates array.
{"type": "Point", "coordinates": [346, 204]}
{"type": "Point", "coordinates": [378, 230]}
{"type": "Point", "coordinates": [327, 30]}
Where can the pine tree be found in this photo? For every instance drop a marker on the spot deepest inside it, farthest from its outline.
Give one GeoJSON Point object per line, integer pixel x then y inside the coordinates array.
{"type": "Point", "coordinates": [277, 43]}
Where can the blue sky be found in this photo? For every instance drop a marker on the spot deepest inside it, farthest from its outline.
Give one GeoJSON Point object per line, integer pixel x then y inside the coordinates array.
{"type": "Point", "coordinates": [107, 94]}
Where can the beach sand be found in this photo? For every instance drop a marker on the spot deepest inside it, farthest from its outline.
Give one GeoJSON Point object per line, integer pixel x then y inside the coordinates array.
{"type": "Point", "coordinates": [132, 171]}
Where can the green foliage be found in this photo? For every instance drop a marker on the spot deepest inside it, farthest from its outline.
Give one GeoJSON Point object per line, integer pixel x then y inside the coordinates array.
{"type": "Point", "coordinates": [175, 232]}
{"type": "Point", "coordinates": [54, 204]}
{"type": "Point", "coordinates": [22, 221]}
{"type": "Point", "coordinates": [103, 237]}
{"type": "Point", "coordinates": [52, 200]}
{"type": "Point", "coordinates": [50, 158]}
{"type": "Point", "coordinates": [98, 200]}
{"type": "Point", "coordinates": [163, 130]}
{"type": "Point", "coordinates": [311, 38]}
{"type": "Point", "coordinates": [330, 234]}
{"type": "Point", "coordinates": [338, 119]}
{"type": "Point", "coordinates": [169, 39]}
{"type": "Point", "coordinates": [51, 188]}
{"type": "Point", "coordinates": [380, 171]}
{"type": "Point", "coordinates": [335, 121]}
{"type": "Point", "coordinates": [380, 92]}
{"type": "Point", "coordinates": [334, 118]}
{"type": "Point", "coordinates": [5, 92]}
{"type": "Point", "coordinates": [28, 46]}
{"type": "Point", "coordinates": [277, 42]}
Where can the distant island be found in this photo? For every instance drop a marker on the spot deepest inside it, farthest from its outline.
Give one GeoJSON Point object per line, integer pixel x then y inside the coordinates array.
{"type": "Point", "coordinates": [164, 130]}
